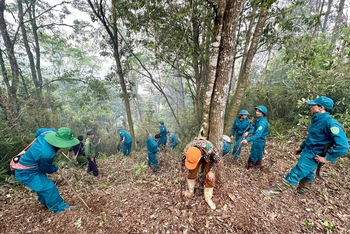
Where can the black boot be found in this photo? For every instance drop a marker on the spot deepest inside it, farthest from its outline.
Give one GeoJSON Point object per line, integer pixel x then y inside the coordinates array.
{"type": "Point", "coordinates": [155, 169]}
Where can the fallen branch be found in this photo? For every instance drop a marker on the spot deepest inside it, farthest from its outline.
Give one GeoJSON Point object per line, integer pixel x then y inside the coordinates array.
{"type": "Point", "coordinates": [70, 186]}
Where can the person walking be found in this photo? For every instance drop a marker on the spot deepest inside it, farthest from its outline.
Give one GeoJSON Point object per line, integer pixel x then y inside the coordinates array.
{"type": "Point", "coordinates": [200, 152]}
{"type": "Point", "coordinates": [31, 167]}
{"type": "Point", "coordinates": [152, 150]}
{"type": "Point", "coordinates": [326, 141]}
{"type": "Point", "coordinates": [241, 127]}
{"type": "Point", "coordinates": [261, 129]}
{"type": "Point", "coordinates": [90, 152]}
{"type": "Point", "coordinates": [163, 135]}
{"type": "Point", "coordinates": [125, 141]}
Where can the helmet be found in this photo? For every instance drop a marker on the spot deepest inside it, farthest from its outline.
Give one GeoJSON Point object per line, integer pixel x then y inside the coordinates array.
{"type": "Point", "coordinates": [226, 138]}
{"type": "Point", "coordinates": [243, 112]}
{"type": "Point", "coordinates": [263, 109]}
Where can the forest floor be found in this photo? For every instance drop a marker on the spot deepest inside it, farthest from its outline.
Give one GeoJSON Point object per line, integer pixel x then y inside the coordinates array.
{"type": "Point", "coordinates": [127, 197]}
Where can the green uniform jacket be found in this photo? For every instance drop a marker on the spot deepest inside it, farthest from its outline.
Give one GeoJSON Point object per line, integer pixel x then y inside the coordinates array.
{"type": "Point", "coordinates": [90, 148]}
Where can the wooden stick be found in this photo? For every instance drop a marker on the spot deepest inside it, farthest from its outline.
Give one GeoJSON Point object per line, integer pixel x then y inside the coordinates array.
{"type": "Point", "coordinates": [66, 156]}
{"type": "Point", "coordinates": [75, 191]}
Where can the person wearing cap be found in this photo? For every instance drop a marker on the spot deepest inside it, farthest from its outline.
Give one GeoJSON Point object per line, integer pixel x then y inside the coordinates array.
{"type": "Point", "coordinates": [152, 149]}
{"type": "Point", "coordinates": [323, 131]}
{"type": "Point", "coordinates": [242, 126]}
{"type": "Point", "coordinates": [37, 161]}
{"type": "Point", "coordinates": [200, 152]}
{"type": "Point", "coordinates": [226, 147]}
{"type": "Point", "coordinates": [173, 140]}
{"type": "Point", "coordinates": [163, 135]}
{"type": "Point", "coordinates": [261, 129]}
{"type": "Point", "coordinates": [78, 154]}
{"type": "Point", "coordinates": [125, 141]}
{"type": "Point", "coordinates": [90, 152]}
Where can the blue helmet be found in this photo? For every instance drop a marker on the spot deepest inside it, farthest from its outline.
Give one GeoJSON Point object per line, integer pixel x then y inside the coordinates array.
{"type": "Point", "coordinates": [263, 109]}
{"type": "Point", "coordinates": [161, 122]}
{"type": "Point", "coordinates": [243, 112]}
{"type": "Point", "coordinates": [120, 128]}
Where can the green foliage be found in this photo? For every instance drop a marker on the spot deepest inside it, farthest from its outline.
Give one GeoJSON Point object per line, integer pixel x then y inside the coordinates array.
{"type": "Point", "coordinates": [307, 67]}
{"type": "Point", "coordinates": [140, 167]}
{"type": "Point", "coordinates": [307, 223]}
{"type": "Point", "coordinates": [106, 184]}
{"type": "Point", "coordinates": [330, 226]}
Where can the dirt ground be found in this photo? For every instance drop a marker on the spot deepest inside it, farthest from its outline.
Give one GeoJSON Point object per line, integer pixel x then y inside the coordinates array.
{"type": "Point", "coordinates": [128, 197]}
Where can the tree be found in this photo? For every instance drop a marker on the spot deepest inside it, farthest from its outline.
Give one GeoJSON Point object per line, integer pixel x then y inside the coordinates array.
{"type": "Point", "coordinates": [8, 97]}
{"type": "Point", "coordinates": [219, 74]}
{"type": "Point", "coordinates": [111, 27]}
{"type": "Point", "coordinates": [251, 47]}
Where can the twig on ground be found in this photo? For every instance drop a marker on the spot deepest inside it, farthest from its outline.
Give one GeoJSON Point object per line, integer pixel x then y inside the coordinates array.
{"type": "Point", "coordinates": [70, 186]}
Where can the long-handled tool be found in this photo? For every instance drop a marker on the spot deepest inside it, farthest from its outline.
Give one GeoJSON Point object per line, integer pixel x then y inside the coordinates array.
{"type": "Point", "coordinates": [71, 187]}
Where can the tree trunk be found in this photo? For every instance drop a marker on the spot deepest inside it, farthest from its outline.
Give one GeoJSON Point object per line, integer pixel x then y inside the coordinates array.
{"type": "Point", "coordinates": [12, 115]}
{"type": "Point", "coordinates": [338, 21]}
{"type": "Point", "coordinates": [219, 74]}
{"type": "Point", "coordinates": [195, 57]}
{"type": "Point", "coordinates": [112, 31]}
{"type": "Point", "coordinates": [213, 63]}
{"type": "Point", "coordinates": [120, 73]}
{"type": "Point", "coordinates": [245, 66]}
{"type": "Point", "coordinates": [325, 21]}
{"type": "Point", "coordinates": [26, 45]}
{"type": "Point", "coordinates": [32, 16]}
{"type": "Point", "coordinates": [229, 116]}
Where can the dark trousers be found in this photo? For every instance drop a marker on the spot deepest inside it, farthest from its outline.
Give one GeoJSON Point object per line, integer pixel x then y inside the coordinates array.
{"type": "Point", "coordinates": [92, 166]}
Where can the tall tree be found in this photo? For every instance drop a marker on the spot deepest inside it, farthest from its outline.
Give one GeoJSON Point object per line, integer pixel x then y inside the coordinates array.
{"type": "Point", "coordinates": [35, 70]}
{"type": "Point", "coordinates": [220, 67]}
{"type": "Point", "coordinates": [252, 46]}
{"type": "Point", "coordinates": [338, 20]}
{"type": "Point", "coordinates": [9, 101]}
{"type": "Point", "coordinates": [111, 27]}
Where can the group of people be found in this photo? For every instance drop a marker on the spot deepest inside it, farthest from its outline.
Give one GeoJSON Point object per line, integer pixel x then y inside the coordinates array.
{"type": "Point", "coordinates": [326, 141]}
{"type": "Point", "coordinates": [32, 164]}
{"type": "Point", "coordinates": [160, 141]}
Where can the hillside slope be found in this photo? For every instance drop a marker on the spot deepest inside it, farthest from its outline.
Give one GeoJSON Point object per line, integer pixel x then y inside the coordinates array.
{"type": "Point", "coordinates": [122, 201]}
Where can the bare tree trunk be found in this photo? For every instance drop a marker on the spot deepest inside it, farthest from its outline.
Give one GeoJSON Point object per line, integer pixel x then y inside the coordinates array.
{"type": "Point", "coordinates": [196, 52]}
{"type": "Point", "coordinates": [245, 67]}
{"type": "Point", "coordinates": [120, 73]}
{"type": "Point", "coordinates": [13, 85]}
{"type": "Point", "coordinates": [325, 21]}
{"type": "Point", "coordinates": [32, 16]}
{"type": "Point", "coordinates": [213, 62]}
{"type": "Point", "coordinates": [26, 45]}
{"type": "Point", "coordinates": [219, 74]}
{"type": "Point", "coordinates": [112, 30]}
{"type": "Point", "coordinates": [231, 115]}
{"type": "Point", "coordinates": [338, 21]}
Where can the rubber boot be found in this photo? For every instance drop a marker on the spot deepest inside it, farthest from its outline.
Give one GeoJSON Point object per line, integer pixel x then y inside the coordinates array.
{"type": "Point", "coordinates": [208, 194]}
{"type": "Point", "coordinates": [191, 183]}
{"type": "Point", "coordinates": [304, 186]}
{"type": "Point", "coordinates": [155, 169]}
{"type": "Point", "coordinates": [258, 164]}
{"type": "Point", "coordinates": [277, 189]}
{"type": "Point", "coordinates": [250, 164]}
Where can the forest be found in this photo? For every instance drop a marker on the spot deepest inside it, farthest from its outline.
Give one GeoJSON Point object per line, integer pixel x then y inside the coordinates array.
{"type": "Point", "coordinates": [96, 65]}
